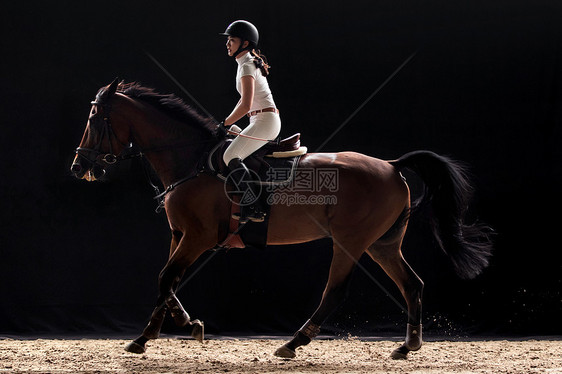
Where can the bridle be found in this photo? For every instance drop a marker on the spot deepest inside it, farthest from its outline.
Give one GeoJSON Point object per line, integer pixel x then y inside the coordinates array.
{"type": "Point", "coordinates": [96, 157]}
{"type": "Point", "coordinates": [92, 155]}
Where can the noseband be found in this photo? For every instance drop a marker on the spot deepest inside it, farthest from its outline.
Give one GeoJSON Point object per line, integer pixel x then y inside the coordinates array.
{"type": "Point", "coordinates": [92, 155]}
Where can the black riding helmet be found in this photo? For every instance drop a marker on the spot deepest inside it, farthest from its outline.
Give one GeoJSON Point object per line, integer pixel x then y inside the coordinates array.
{"type": "Point", "coordinates": [245, 31]}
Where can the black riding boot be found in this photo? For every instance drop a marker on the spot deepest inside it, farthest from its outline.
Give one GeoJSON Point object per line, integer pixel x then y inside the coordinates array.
{"type": "Point", "coordinates": [250, 205]}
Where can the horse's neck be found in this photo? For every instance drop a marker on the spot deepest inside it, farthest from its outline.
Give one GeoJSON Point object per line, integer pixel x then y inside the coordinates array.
{"type": "Point", "coordinates": [176, 158]}
{"type": "Point", "coordinates": [172, 148]}
{"type": "Point", "coordinates": [173, 165]}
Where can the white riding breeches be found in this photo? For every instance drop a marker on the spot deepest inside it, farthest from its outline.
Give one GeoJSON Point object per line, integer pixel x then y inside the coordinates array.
{"type": "Point", "coordinates": [265, 125]}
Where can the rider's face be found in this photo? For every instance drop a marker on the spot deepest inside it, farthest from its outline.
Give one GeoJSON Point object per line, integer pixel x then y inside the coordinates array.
{"type": "Point", "coordinates": [232, 45]}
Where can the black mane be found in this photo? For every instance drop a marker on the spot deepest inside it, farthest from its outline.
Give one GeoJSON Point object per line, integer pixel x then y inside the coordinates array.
{"type": "Point", "coordinates": [169, 104]}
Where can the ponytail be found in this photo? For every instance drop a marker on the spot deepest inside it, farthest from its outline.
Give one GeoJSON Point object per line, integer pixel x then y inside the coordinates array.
{"type": "Point", "coordinates": [261, 62]}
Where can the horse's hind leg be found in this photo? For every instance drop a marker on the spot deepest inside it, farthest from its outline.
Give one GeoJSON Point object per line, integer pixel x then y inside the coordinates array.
{"type": "Point", "coordinates": [388, 255]}
{"type": "Point", "coordinates": [341, 268]}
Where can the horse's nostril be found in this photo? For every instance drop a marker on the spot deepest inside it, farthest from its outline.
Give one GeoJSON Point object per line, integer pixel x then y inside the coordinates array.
{"type": "Point", "coordinates": [98, 171]}
{"type": "Point", "coordinates": [76, 168]}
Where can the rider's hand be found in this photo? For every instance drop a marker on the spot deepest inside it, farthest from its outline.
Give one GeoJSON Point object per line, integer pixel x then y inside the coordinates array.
{"type": "Point", "coordinates": [222, 132]}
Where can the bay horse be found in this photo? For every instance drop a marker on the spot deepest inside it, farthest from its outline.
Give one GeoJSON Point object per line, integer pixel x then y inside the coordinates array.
{"type": "Point", "coordinates": [371, 213]}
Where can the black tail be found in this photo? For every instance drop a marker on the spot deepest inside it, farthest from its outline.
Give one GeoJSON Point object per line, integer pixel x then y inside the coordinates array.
{"type": "Point", "coordinates": [447, 191]}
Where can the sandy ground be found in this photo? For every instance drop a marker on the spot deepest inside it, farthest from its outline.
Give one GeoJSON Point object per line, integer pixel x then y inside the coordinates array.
{"type": "Point", "coordinates": [255, 356]}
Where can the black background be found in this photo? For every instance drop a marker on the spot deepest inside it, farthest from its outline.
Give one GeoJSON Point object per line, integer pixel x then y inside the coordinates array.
{"type": "Point", "coordinates": [484, 87]}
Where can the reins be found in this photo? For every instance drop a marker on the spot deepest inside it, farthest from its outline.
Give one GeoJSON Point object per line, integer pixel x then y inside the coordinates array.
{"type": "Point", "coordinates": [160, 196]}
{"type": "Point", "coordinates": [92, 155]}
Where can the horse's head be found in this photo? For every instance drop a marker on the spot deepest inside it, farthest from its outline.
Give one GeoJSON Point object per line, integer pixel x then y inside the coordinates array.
{"type": "Point", "coordinates": [101, 143]}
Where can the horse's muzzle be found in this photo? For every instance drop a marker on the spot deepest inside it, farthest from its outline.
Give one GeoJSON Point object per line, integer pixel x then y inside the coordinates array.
{"type": "Point", "coordinates": [90, 172]}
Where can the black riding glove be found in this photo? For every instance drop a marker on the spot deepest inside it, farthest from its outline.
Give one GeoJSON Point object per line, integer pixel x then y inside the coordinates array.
{"type": "Point", "coordinates": [222, 131]}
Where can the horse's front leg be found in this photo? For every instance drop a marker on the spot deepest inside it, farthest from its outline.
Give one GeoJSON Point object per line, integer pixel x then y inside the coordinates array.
{"type": "Point", "coordinates": [180, 258]}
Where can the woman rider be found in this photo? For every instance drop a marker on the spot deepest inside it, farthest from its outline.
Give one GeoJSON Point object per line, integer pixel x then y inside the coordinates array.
{"type": "Point", "coordinates": [255, 102]}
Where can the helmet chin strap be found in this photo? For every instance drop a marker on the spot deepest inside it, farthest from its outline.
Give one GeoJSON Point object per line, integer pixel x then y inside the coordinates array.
{"type": "Point", "coordinates": [242, 49]}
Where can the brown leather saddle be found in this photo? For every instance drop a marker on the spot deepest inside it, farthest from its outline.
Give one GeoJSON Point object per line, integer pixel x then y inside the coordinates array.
{"type": "Point", "coordinates": [275, 165]}
{"type": "Point", "coordinates": [275, 155]}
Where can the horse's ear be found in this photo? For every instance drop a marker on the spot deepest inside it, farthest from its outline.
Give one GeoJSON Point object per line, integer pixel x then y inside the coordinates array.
{"type": "Point", "coordinates": [112, 87]}
{"type": "Point", "coordinates": [106, 92]}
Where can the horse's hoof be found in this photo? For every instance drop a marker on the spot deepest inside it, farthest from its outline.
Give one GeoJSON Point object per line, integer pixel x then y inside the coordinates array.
{"type": "Point", "coordinates": [285, 352]}
{"type": "Point", "coordinates": [198, 331]}
{"type": "Point", "coordinates": [399, 353]}
{"type": "Point", "coordinates": [134, 347]}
